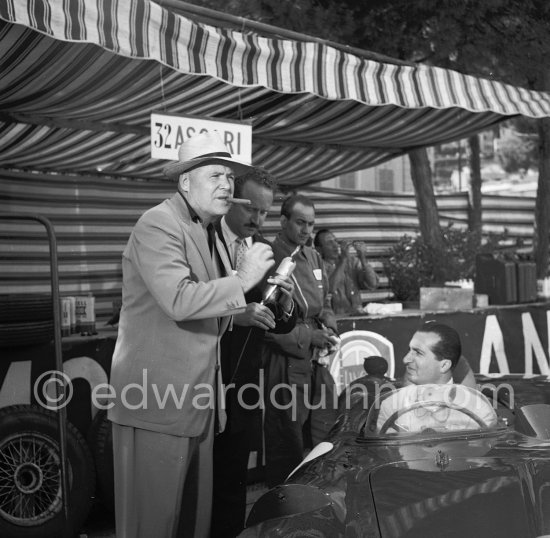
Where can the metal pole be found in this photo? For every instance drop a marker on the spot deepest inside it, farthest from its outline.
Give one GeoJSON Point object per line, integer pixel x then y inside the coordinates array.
{"type": "Point", "coordinates": [60, 390]}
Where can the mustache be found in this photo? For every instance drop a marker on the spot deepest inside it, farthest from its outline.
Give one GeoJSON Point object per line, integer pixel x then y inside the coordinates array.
{"type": "Point", "coordinates": [252, 225]}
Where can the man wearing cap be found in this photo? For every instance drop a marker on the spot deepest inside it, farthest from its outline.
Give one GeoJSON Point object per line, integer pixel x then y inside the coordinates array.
{"type": "Point", "coordinates": [178, 296]}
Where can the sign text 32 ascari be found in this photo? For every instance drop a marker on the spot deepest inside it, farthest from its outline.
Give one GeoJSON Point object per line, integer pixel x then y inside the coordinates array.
{"type": "Point", "coordinates": [168, 132]}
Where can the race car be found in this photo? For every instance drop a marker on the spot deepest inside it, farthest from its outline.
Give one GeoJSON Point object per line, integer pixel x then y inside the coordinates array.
{"type": "Point", "coordinates": [431, 463]}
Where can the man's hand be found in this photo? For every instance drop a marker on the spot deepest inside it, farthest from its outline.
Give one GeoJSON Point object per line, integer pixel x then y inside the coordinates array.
{"type": "Point", "coordinates": [361, 247]}
{"type": "Point", "coordinates": [255, 264]}
{"type": "Point", "coordinates": [345, 250]}
{"type": "Point", "coordinates": [255, 315]}
{"type": "Point", "coordinates": [369, 278]}
{"type": "Point", "coordinates": [321, 338]}
{"type": "Point", "coordinates": [286, 284]}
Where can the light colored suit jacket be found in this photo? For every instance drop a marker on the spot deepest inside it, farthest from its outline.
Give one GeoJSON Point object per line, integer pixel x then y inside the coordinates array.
{"type": "Point", "coordinates": [174, 311]}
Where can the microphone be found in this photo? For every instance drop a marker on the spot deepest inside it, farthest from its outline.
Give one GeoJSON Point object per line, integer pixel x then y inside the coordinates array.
{"type": "Point", "coordinates": [272, 292]}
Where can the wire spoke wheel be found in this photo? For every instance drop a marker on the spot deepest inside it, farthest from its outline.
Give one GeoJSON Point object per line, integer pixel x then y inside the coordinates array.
{"type": "Point", "coordinates": [30, 479]}
{"type": "Point", "coordinates": [31, 503]}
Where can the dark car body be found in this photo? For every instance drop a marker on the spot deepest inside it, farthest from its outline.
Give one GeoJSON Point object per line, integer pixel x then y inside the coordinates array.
{"type": "Point", "coordinates": [492, 481]}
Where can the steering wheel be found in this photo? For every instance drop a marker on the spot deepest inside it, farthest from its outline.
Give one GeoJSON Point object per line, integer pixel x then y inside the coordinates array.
{"type": "Point", "coordinates": [391, 420]}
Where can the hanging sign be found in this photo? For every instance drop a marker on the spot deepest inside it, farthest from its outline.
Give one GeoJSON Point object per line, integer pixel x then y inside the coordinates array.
{"type": "Point", "coordinates": [168, 132]}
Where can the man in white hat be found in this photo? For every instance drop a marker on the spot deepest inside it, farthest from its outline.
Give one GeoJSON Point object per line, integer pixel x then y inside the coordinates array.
{"type": "Point", "coordinates": [178, 295]}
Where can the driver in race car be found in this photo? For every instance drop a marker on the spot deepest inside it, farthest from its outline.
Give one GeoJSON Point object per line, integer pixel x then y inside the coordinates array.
{"type": "Point", "coordinates": [434, 352]}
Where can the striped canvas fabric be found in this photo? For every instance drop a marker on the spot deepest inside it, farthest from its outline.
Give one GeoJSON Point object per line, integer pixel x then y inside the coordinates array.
{"type": "Point", "coordinates": [142, 29]}
{"type": "Point", "coordinates": [93, 218]}
{"type": "Point", "coordinates": [80, 79]}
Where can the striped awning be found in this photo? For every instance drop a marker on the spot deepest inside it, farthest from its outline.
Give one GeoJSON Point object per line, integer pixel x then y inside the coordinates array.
{"type": "Point", "coordinates": [80, 78]}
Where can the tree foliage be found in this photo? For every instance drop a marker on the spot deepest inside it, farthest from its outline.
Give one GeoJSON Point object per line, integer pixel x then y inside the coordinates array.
{"type": "Point", "coordinates": [413, 262]}
{"type": "Point", "coordinates": [327, 20]}
{"type": "Point", "coordinates": [516, 152]}
{"type": "Point", "coordinates": [505, 40]}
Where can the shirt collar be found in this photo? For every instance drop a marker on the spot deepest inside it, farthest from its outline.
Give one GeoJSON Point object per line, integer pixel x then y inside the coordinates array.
{"type": "Point", "coordinates": [192, 213]}
{"type": "Point", "coordinates": [230, 236]}
{"type": "Point", "coordinates": [288, 248]}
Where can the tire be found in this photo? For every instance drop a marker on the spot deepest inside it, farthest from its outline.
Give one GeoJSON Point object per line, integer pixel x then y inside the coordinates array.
{"type": "Point", "coordinates": [26, 333]}
{"type": "Point", "coordinates": [25, 307]}
{"type": "Point", "coordinates": [100, 440]}
{"type": "Point", "coordinates": [30, 475]}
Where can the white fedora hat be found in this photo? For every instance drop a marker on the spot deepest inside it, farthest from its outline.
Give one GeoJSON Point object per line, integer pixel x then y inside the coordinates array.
{"type": "Point", "coordinates": [202, 149]}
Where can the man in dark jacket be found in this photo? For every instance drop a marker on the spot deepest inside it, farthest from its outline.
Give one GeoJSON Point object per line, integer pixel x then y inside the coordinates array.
{"type": "Point", "coordinates": [241, 355]}
{"type": "Point", "coordinates": [299, 392]}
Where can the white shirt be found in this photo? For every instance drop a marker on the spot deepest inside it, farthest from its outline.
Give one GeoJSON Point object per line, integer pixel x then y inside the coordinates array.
{"type": "Point", "coordinates": [232, 240]}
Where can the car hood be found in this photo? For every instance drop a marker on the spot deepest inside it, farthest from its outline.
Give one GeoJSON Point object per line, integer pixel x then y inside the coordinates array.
{"type": "Point", "coordinates": [458, 497]}
{"type": "Point", "coordinates": [294, 510]}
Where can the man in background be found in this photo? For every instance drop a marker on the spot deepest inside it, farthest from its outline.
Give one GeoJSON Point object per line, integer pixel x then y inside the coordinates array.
{"type": "Point", "coordinates": [241, 354]}
{"type": "Point", "coordinates": [290, 358]}
{"type": "Point", "coordinates": [347, 274]}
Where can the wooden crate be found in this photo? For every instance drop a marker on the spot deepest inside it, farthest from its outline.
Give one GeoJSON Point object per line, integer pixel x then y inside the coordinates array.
{"type": "Point", "coordinates": [446, 298]}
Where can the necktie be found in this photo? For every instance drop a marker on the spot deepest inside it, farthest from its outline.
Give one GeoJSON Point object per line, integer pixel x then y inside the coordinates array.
{"type": "Point", "coordinates": [218, 265]}
{"type": "Point", "coordinates": [241, 248]}
{"type": "Point", "coordinates": [211, 234]}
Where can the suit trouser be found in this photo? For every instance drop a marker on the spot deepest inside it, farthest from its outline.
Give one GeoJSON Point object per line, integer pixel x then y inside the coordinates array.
{"type": "Point", "coordinates": [287, 428]}
{"type": "Point", "coordinates": [163, 483]}
{"type": "Point", "coordinates": [231, 450]}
